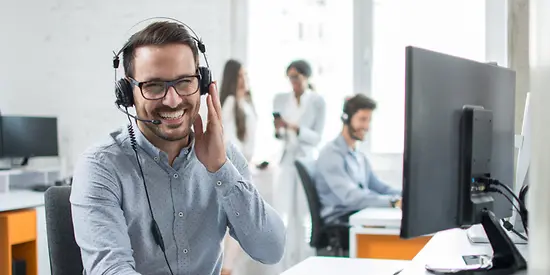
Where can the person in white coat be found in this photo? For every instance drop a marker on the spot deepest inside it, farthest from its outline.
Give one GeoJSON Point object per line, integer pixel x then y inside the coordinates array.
{"type": "Point", "coordinates": [239, 128]}
{"type": "Point", "coordinates": [299, 120]}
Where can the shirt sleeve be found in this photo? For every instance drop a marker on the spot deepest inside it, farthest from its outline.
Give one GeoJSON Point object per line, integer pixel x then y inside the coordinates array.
{"type": "Point", "coordinates": [313, 136]}
{"type": "Point", "coordinates": [331, 168]}
{"type": "Point", "coordinates": [99, 226]}
{"type": "Point", "coordinates": [252, 221]}
{"type": "Point", "coordinates": [376, 184]}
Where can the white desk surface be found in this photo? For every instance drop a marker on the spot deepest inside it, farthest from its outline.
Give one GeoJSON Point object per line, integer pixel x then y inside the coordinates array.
{"type": "Point", "coordinates": [337, 266]}
{"type": "Point", "coordinates": [447, 248]}
{"type": "Point", "coordinates": [20, 199]}
{"type": "Point", "coordinates": [377, 217]}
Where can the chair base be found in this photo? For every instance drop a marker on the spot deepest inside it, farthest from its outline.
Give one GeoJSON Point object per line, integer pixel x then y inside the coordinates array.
{"type": "Point", "coordinates": [332, 252]}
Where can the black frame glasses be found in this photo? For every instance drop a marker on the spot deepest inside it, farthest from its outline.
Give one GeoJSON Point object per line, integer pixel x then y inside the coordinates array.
{"type": "Point", "coordinates": [166, 85]}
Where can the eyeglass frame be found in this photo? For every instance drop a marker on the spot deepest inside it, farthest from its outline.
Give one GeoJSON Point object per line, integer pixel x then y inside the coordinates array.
{"type": "Point", "coordinates": [167, 85]}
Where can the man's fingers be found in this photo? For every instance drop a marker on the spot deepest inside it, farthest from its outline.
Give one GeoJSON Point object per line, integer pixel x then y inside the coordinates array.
{"type": "Point", "coordinates": [212, 114]}
{"type": "Point", "coordinates": [197, 125]}
{"type": "Point", "coordinates": [216, 99]}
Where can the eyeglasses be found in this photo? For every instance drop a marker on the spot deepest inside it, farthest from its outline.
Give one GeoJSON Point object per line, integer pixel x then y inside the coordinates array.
{"type": "Point", "coordinates": [153, 90]}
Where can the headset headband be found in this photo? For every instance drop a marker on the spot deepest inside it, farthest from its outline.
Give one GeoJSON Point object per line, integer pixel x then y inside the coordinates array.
{"type": "Point", "coordinates": [200, 44]}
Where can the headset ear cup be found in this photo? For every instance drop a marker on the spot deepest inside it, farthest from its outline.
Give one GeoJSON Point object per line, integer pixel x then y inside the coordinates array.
{"type": "Point", "coordinates": [206, 79]}
{"type": "Point", "coordinates": [345, 118]}
{"type": "Point", "coordinates": [124, 93]}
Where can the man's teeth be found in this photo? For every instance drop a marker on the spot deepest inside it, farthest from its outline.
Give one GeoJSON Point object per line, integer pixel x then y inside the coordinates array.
{"type": "Point", "coordinates": [172, 115]}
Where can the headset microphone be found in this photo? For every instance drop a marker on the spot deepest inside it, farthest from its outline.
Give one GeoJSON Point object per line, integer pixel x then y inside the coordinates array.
{"type": "Point", "coordinates": [154, 121]}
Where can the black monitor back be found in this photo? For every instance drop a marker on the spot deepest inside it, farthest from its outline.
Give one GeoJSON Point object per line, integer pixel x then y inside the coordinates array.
{"type": "Point", "coordinates": [28, 136]}
{"type": "Point", "coordinates": [437, 88]}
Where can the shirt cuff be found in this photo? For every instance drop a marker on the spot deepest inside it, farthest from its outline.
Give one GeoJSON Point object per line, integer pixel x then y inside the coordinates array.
{"type": "Point", "coordinates": [225, 178]}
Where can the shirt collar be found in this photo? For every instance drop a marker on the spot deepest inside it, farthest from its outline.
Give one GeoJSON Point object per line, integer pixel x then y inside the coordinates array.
{"type": "Point", "coordinates": [155, 152]}
{"type": "Point", "coordinates": [340, 142]}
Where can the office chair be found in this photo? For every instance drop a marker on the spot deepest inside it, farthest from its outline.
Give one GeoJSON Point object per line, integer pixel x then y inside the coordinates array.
{"type": "Point", "coordinates": [64, 252]}
{"type": "Point", "coordinates": [324, 237]}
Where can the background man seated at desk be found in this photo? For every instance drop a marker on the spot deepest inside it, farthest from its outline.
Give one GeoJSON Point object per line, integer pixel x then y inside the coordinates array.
{"type": "Point", "coordinates": [344, 178]}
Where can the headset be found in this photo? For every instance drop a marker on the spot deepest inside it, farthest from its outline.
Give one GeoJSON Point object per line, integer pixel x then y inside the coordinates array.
{"type": "Point", "coordinates": [124, 88]}
{"type": "Point", "coordinates": [125, 98]}
{"type": "Point", "coordinates": [346, 119]}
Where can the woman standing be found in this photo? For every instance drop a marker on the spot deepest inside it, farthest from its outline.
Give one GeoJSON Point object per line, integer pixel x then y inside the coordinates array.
{"type": "Point", "coordinates": [299, 121]}
{"type": "Point", "coordinates": [239, 116]}
{"type": "Point", "coordinates": [239, 127]}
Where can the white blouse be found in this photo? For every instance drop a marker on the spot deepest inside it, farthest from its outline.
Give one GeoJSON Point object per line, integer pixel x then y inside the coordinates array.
{"type": "Point", "coordinates": [230, 126]}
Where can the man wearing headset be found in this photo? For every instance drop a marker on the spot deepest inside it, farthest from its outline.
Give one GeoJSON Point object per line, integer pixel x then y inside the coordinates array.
{"type": "Point", "coordinates": [343, 176]}
{"type": "Point", "coordinates": [196, 187]}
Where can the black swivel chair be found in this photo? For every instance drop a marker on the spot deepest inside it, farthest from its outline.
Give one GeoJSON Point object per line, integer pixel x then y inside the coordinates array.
{"type": "Point", "coordinates": [324, 237]}
{"type": "Point", "coordinates": [64, 252]}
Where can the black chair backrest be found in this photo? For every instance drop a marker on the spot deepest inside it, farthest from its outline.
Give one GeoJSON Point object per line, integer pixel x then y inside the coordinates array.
{"type": "Point", "coordinates": [64, 252]}
{"type": "Point", "coordinates": [305, 170]}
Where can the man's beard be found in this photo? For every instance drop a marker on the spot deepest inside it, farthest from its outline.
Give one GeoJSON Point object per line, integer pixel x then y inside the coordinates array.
{"type": "Point", "coordinates": [157, 130]}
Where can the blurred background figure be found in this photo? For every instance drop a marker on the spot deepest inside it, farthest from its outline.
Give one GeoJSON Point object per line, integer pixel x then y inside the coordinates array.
{"type": "Point", "coordinates": [299, 120]}
{"type": "Point", "coordinates": [239, 115]}
{"type": "Point", "coordinates": [239, 124]}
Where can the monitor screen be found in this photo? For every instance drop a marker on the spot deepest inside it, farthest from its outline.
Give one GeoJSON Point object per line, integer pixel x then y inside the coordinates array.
{"type": "Point", "coordinates": [438, 86]}
{"type": "Point", "coordinates": [28, 136]}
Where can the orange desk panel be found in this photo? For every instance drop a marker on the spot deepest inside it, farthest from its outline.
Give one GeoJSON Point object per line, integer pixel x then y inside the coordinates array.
{"type": "Point", "coordinates": [18, 240]}
{"type": "Point", "coordinates": [388, 247]}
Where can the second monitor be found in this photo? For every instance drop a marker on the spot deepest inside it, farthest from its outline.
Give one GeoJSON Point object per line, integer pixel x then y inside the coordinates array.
{"type": "Point", "coordinates": [459, 143]}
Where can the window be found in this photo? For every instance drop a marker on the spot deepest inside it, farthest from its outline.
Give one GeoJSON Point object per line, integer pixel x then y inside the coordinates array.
{"type": "Point", "coordinates": [451, 27]}
{"type": "Point", "coordinates": [281, 31]}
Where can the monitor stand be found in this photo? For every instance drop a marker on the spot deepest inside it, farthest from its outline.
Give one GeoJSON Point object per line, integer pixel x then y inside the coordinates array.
{"type": "Point", "coordinates": [506, 259]}
{"type": "Point", "coordinates": [476, 235]}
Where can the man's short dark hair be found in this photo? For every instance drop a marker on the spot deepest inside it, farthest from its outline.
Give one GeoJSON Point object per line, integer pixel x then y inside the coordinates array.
{"type": "Point", "coordinates": [358, 102]}
{"type": "Point", "coordinates": [157, 34]}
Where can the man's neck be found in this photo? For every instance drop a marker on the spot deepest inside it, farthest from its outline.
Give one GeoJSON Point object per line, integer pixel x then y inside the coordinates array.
{"type": "Point", "coordinates": [351, 142]}
{"type": "Point", "coordinates": [171, 148]}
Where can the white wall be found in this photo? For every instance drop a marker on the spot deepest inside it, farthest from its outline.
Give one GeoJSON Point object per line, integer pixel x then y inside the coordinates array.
{"type": "Point", "coordinates": [538, 203]}
{"type": "Point", "coordinates": [56, 59]}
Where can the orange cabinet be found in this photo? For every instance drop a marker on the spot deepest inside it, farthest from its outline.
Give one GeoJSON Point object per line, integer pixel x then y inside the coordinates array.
{"type": "Point", "coordinates": [18, 240]}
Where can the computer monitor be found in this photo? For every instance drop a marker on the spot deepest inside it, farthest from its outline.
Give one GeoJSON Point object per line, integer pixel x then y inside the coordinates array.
{"type": "Point", "coordinates": [25, 137]}
{"type": "Point", "coordinates": [459, 138]}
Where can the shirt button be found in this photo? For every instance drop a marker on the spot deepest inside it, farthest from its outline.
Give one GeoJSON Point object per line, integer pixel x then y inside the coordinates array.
{"type": "Point", "coordinates": [175, 176]}
{"type": "Point", "coordinates": [219, 183]}
{"type": "Point", "coordinates": [156, 158]}
{"type": "Point", "coordinates": [180, 214]}
{"type": "Point", "coordinates": [185, 251]}
{"type": "Point", "coordinates": [237, 213]}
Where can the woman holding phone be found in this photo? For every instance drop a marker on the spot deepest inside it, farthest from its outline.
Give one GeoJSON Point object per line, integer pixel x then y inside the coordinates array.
{"type": "Point", "coordinates": [299, 120]}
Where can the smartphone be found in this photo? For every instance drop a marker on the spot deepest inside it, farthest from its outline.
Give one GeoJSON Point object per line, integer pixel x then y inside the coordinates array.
{"type": "Point", "coordinates": [276, 115]}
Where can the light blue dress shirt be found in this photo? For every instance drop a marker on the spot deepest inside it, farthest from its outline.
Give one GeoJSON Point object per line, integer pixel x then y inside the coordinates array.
{"type": "Point", "coordinates": [192, 207]}
{"type": "Point", "coordinates": [346, 183]}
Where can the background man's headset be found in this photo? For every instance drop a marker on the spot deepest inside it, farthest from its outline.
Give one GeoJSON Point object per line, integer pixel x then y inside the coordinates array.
{"type": "Point", "coordinates": [125, 98]}
{"type": "Point", "coordinates": [346, 119]}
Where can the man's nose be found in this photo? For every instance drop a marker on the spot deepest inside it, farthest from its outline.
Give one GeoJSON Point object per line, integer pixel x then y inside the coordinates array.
{"type": "Point", "coordinates": [172, 98]}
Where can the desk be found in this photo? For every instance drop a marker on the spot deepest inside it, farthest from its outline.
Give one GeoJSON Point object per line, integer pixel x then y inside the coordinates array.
{"type": "Point", "coordinates": [337, 266]}
{"type": "Point", "coordinates": [23, 231]}
{"type": "Point", "coordinates": [374, 234]}
{"type": "Point", "coordinates": [448, 247]}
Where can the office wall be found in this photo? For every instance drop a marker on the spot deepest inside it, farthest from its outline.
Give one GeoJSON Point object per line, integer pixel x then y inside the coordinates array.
{"type": "Point", "coordinates": [56, 58]}
{"type": "Point", "coordinates": [539, 205]}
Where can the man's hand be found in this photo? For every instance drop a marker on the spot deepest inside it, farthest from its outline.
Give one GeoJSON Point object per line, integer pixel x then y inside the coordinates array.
{"type": "Point", "coordinates": [225, 271]}
{"type": "Point", "coordinates": [398, 204]}
{"type": "Point", "coordinates": [209, 144]}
